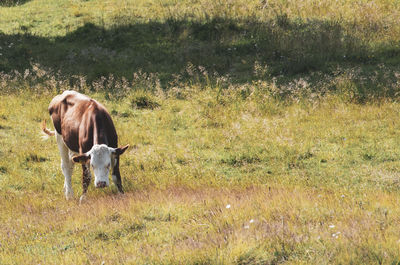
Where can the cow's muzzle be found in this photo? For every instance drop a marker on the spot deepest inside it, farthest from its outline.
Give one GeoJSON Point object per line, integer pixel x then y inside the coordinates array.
{"type": "Point", "coordinates": [101, 184]}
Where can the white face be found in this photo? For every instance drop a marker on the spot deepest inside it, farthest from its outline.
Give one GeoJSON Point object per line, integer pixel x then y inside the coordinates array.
{"type": "Point", "coordinates": [101, 160]}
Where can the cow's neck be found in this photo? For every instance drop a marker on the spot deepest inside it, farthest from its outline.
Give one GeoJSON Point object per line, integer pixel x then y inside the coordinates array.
{"type": "Point", "coordinates": [99, 135]}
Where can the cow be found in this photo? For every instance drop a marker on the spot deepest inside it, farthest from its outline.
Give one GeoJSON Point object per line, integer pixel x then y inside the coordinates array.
{"type": "Point", "coordinates": [85, 134]}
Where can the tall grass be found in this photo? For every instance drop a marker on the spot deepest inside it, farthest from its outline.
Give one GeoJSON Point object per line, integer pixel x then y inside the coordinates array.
{"type": "Point", "coordinates": [334, 45]}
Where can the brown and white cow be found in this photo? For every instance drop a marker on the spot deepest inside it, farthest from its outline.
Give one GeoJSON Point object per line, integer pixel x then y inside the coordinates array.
{"type": "Point", "coordinates": [85, 134]}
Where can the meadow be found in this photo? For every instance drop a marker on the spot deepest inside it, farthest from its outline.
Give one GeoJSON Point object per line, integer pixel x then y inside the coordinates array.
{"type": "Point", "coordinates": [261, 132]}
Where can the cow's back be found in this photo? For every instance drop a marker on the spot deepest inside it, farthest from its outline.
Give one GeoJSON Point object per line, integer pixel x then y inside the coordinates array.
{"type": "Point", "coordinates": [79, 119]}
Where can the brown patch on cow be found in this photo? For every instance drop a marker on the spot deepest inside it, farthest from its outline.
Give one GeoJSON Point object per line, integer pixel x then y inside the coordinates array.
{"type": "Point", "coordinates": [82, 122]}
{"type": "Point", "coordinates": [82, 159]}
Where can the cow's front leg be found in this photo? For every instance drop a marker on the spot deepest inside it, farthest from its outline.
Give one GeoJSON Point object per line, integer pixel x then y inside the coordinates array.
{"type": "Point", "coordinates": [86, 176]}
{"type": "Point", "coordinates": [116, 176]}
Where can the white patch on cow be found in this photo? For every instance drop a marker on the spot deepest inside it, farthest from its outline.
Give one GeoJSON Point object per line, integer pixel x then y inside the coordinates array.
{"type": "Point", "coordinates": [75, 94]}
{"type": "Point", "coordinates": [67, 166]}
{"type": "Point", "coordinates": [100, 160]}
{"type": "Point", "coordinates": [71, 154]}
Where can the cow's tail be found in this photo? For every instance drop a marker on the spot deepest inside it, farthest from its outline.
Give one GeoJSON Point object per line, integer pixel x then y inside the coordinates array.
{"type": "Point", "coordinates": [46, 132]}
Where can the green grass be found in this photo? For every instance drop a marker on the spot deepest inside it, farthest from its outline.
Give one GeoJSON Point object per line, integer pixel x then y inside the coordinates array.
{"type": "Point", "coordinates": [295, 170]}
{"type": "Point", "coordinates": [287, 111]}
{"type": "Point", "coordinates": [245, 40]}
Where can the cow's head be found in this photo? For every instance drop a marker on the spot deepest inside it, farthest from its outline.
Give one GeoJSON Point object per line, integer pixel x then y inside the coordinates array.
{"type": "Point", "coordinates": [101, 158]}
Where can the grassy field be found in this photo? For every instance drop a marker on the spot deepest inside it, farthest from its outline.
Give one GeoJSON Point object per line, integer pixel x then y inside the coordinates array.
{"type": "Point", "coordinates": [278, 41]}
{"type": "Point", "coordinates": [306, 183]}
{"type": "Point", "coordinates": [261, 132]}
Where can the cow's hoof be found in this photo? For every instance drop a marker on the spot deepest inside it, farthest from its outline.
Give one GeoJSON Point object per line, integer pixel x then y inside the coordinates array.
{"type": "Point", "coordinates": [119, 195]}
{"type": "Point", "coordinates": [69, 195]}
{"type": "Point", "coordinates": [82, 199]}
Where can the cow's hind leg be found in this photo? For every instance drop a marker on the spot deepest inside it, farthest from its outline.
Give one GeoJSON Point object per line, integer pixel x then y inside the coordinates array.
{"type": "Point", "coordinates": [116, 176]}
{"type": "Point", "coordinates": [67, 166]}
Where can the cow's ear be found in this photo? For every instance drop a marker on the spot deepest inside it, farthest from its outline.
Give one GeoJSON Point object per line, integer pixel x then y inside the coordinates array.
{"type": "Point", "coordinates": [120, 150]}
{"type": "Point", "coordinates": [83, 159]}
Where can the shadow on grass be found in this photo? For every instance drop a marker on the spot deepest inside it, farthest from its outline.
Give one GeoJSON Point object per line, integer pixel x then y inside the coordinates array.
{"type": "Point", "coordinates": [8, 3]}
{"type": "Point", "coordinates": [224, 46]}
